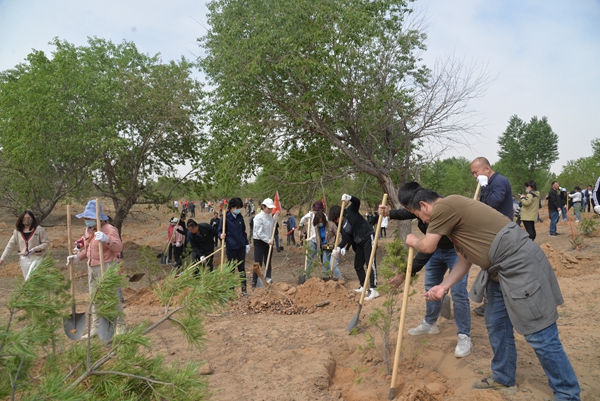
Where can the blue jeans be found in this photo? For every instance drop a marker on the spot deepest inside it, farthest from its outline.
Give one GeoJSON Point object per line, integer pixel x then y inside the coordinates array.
{"type": "Point", "coordinates": [326, 263]}
{"type": "Point", "coordinates": [312, 251]}
{"type": "Point", "coordinates": [553, 220]}
{"type": "Point", "coordinates": [441, 261]}
{"type": "Point", "coordinates": [564, 213]}
{"type": "Point", "coordinates": [545, 343]}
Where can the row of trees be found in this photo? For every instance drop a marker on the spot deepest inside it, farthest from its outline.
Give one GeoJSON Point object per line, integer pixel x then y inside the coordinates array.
{"type": "Point", "coordinates": [304, 98]}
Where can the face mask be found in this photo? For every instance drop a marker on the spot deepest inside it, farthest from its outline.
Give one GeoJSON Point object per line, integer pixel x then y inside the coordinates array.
{"type": "Point", "coordinates": [320, 224]}
{"type": "Point", "coordinates": [527, 191]}
{"type": "Point", "coordinates": [237, 211]}
{"type": "Point", "coordinates": [90, 223]}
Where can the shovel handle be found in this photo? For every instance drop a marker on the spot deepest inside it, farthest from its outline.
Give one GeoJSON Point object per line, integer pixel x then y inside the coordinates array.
{"type": "Point", "coordinates": [373, 251]}
{"type": "Point", "coordinates": [69, 240]}
{"type": "Point", "coordinates": [99, 228]}
{"type": "Point", "coordinates": [206, 257]}
{"type": "Point", "coordinates": [409, 263]}
{"type": "Point", "coordinates": [256, 269]}
{"type": "Point", "coordinates": [337, 239]}
{"type": "Point", "coordinates": [477, 192]}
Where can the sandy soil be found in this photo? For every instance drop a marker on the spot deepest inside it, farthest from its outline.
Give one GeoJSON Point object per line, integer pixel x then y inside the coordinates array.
{"type": "Point", "coordinates": [289, 343]}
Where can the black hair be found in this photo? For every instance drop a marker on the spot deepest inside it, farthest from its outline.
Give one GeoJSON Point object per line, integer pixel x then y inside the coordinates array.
{"type": "Point", "coordinates": [191, 223]}
{"type": "Point", "coordinates": [531, 184]}
{"type": "Point", "coordinates": [20, 226]}
{"type": "Point", "coordinates": [417, 194]}
{"type": "Point", "coordinates": [234, 203]}
{"type": "Point", "coordinates": [407, 190]}
{"type": "Point", "coordinates": [319, 217]}
{"type": "Point", "coordinates": [577, 188]}
{"type": "Point", "coordinates": [334, 213]}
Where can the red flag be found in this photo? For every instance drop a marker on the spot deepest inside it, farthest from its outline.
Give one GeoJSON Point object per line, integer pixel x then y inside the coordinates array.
{"type": "Point", "coordinates": [324, 204]}
{"type": "Point", "coordinates": [277, 208]}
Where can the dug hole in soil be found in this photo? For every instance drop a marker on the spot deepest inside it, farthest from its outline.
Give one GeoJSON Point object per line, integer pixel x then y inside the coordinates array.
{"type": "Point", "coordinates": [289, 342]}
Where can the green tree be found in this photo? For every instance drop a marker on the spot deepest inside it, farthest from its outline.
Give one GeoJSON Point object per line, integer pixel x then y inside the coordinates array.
{"type": "Point", "coordinates": [449, 176]}
{"type": "Point", "coordinates": [527, 150]}
{"type": "Point", "coordinates": [43, 158]}
{"type": "Point", "coordinates": [109, 113]}
{"type": "Point", "coordinates": [337, 79]}
{"type": "Point", "coordinates": [583, 171]}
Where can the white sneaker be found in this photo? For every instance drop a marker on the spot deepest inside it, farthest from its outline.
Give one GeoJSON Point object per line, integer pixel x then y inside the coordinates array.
{"type": "Point", "coordinates": [373, 293]}
{"type": "Point", "coordinates": [358, 289]}
{"type": "Point", "coordinates": [464, 346]}
{"type": "Point", "coordinates": [424, 328]}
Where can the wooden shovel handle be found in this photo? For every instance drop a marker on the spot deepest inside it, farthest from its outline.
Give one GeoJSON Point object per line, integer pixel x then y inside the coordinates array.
{"type": "Point", "coordinates": [409, 264]}
{"type": "Point", "coordinates": [256, 269]}
{"type": "Point", "coordinates": [337, 239]}
{"type": "Point", "coordinates": [206, 257]}
{"type": "Point", "coordinates": [477, 191]}
{"type": "Point", "coordinates": [69, 245]}
{"type": "Point", "coordinates": [373, 251]}
{"type": "Point", "coordinates": [99, 228]}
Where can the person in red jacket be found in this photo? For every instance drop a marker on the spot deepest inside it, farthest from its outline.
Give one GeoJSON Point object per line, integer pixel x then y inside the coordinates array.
{"type": "Point", "coordinates": [112, 246]}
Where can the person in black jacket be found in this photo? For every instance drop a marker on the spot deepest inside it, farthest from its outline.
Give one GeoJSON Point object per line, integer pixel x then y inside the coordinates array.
{"type": "Point", "coordinates": [235, 237]}
{"type": "Point", "coordinates": [554, 208]}
{"type": "Point", "coordinates": [200, 237]}
{"type": "Point", "coordinates": [214, 222]}
{"type": "Point", "coordinates": [436, 265]}
{"type": "Point", "coordinates": [358, 233]}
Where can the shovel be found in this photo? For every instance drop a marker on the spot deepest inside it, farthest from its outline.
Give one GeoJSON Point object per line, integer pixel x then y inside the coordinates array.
{"type": "Point", "coordinates": [261, 278]}
{"type": "Point", "coordinates": [223, 241]}
{"type": "Point", "coordinates": [106, 328]}
{"type": "Point", "coordinates": [302, 277]}
{"type": "Point", "coordinates": [74, 324]}
{"type": "Point", "coordinates": [354, 322]}
{"type": "Point", "coordinates": [337, 241]}
{"type": "Point", "coordinates": [271, 242]}
{"type": "Point", "coordinates": [409, 264]}
{"type": "Point", "coordinates": [136, 277]}
{"type": "Point", "coordinates": [164, 259]}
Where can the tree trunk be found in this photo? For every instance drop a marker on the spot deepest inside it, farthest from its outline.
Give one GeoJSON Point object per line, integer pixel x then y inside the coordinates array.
{"type": "Point", "coordinates": [388, 187]}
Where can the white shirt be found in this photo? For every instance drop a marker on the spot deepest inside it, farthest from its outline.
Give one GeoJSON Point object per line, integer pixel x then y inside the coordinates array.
{"type": "Point", "coordinates": [263, 227]}
{"type": "Point", "coordinates": [384, 222]}
{"type": "Point", "coordinates": [576, 197]}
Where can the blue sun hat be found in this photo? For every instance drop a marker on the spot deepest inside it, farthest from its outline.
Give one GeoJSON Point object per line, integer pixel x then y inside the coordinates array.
{"type": "Point", "coordinates": [90, 211]}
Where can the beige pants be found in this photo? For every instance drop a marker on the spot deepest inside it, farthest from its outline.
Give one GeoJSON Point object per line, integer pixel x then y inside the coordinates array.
{"type": "Point", "coordinates": [29, 264]}
{"type": "Point", "coordinates": [94, 275]}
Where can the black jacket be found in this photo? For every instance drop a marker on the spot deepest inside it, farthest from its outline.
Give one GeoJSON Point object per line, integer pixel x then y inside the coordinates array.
{"type": "Point", "coordinates": [553, 201]}
{"type": "Point", "coordinates": [355, 229]}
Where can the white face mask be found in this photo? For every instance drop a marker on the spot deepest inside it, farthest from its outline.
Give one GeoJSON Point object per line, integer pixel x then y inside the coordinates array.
{"type": "Point", "coordinates": [90, 223]}
{"type": "Point", "coordinates": [527, 190]}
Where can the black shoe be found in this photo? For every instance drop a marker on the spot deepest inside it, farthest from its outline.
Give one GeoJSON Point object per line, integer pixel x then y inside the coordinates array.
{"type": "Point", "coordinates": [554, 235]}
{"type": "Point", "coordinates": [480, 310]}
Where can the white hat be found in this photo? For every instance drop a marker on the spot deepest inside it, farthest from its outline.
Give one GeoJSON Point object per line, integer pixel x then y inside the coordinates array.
{"type": "Point", "coordinates": [268, 202]}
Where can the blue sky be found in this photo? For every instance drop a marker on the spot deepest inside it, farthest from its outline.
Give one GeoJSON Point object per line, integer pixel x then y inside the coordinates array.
{"type": "Point", "coordinates": [544, 55]}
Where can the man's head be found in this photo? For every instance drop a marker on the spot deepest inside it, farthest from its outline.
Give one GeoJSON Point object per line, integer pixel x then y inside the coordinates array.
{"type": "Point", "coordinates": [481, 166]}
{"type": "Point", "coordinates": [589, 187]}
{"type": "Point", "coordinates": [418, 200]}
{"type": "Point", "coordinates": [192, 226]}
{"type": "Point", "coordinates": [555, 185]}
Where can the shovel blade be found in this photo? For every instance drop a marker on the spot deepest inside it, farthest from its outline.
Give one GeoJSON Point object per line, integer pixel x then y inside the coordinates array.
{"type": "Point", "coordinates": [164, 260]}
{"type": "Point", "coordinates": [446, 311]}
{"type": "Point", "coordinates": [136, 277]}
{"type": "Point", "coordinates": [259, 283]}
{"type": "Point", "coordinates": [301, 279]}
{"type": "Point", "coordinates": [106, 329]}
{"type": "Point", "coordinates": [354, 322]}
{"type": "Point", "coordinates": [75, 325]}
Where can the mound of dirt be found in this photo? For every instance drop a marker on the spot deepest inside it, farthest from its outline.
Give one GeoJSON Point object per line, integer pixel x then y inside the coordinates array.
{"type": "Point", "coordinates": [142, 297]}
{"type": "Point", "coordinates": [130, 245]}
{"type": "Point", "coordinates": [565, 265]}
{"type": "Point", "coordinates": [10, 270]}
{"type": "Point", "coordinates": [282, 298]}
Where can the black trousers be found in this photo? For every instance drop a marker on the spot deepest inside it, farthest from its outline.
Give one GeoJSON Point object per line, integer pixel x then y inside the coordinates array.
{"type": "Point", "coordinates": [177, 252]}
{"type": "Point", "coordinates": [261, 253]}
{"type": "Point", "coordinates": [238, 255]}
{"type": "Point", "coordinates": [530, 227]}
{"type": "Point", "coordinates": [361, 259]}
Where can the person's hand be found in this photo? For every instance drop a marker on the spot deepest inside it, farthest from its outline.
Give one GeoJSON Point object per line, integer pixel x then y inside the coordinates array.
{"type": "Point", "coordinates": [178, 244]}
{"type": "Point", "coordinates": [223, 236]}
{"type": "Point", "coordinates": [483, 180]}
{"type": "Point", "coordinates": [202, 259]}
{"type": "Point", "coordinates": [383, 210]}
{"type": "Point", "coordinates": [72, 258]}
{"type": "Point", "coordinates": [560, 213]}
{"type": "Point", "coordinates": [100, 236]}
{"type": "Point", "coordinates": [397, 280]}
{"type": "Point", "coordinates": [411, 240]}
{"type": "Point", "coordinates": [247, 249]}
{"type": "Point", "coordinates": [272, 242]}
{"type": "Point", "coordinates": [436, 293]}
{"type": "Point", "coordinates": [597, 209]}
{"type": "Point", "coordinates": [346, 197]}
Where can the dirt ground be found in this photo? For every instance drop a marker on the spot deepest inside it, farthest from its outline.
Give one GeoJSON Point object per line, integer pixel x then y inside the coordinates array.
{"type": "Point", "coordinates": [289, 343]}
